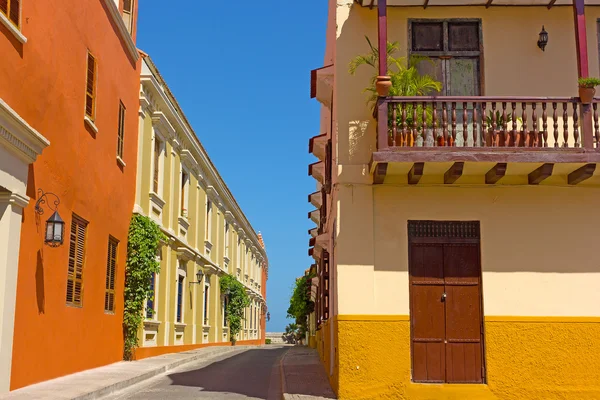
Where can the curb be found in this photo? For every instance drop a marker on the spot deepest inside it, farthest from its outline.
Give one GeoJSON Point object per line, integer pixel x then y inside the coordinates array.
{"type": "Point", "coordinates": [282, 374]}
{"type": "Point", "coordinates": [105, 391]}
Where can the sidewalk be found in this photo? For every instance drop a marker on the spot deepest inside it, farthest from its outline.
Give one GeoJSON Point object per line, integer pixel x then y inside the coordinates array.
{"type": "Point", "coordinates": [98, 382]}
{"type": "Point", "coordinates": [303, 375]}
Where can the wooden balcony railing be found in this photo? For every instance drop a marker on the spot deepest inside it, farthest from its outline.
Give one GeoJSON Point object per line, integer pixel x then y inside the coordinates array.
{"type": "Point", "coordinates": [519, 122]}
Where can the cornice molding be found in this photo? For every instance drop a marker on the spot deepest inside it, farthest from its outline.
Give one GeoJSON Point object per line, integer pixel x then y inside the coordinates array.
{"type": "Point", "coordinates": [18, 136]}
{"type": "Point", "coordinates": [123, 32]}
{"type": "Point", "coordinates": [156, 90]}
{"type": "Point", "coordinates": [14, 199]}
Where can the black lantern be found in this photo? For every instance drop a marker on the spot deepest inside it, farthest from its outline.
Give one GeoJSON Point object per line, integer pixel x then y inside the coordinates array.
{"type": "Point", "coordinates": [55, 226]}
{"type": "Point", "coordinates": [55, 230]}
{"type": "Point", "coordinates": [268, 316]}
{"type": "Point", "coordinates": [543, 40]}
{"type": "Point", "coordinates": [199, 276]}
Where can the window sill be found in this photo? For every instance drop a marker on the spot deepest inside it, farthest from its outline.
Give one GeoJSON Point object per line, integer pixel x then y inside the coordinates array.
{"type": "Point", "coordinates": [121, 162]}
{"type": "Point", "coordinates": [88, 121]}
{"type": "Point", "coordinates": [151, 323]}
{"type": "Point", "coordinates": [205, 327]}
{"type": "Point", "coordinates": [12, 28]}
{"type": "Point", "coordinates": [184, 223]}
{"type": "Point", "coordinates": [157, 201]}
{"type": "Point", "coordinates": [179, 325]}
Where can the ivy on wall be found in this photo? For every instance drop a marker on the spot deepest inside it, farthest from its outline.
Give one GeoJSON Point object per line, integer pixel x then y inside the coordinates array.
{"type": "Point", "coordinates": [300, 303]}
{"type": "Point", "coordinates": [143, 244]}
{"type": "Point", "coordinates": [237, 301]}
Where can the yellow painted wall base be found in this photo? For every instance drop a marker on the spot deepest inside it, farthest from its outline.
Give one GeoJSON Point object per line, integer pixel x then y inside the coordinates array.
{"type": "Point", "coordinates": [526, 358]}
{"type": "Point", "coordinates": [312, 342]}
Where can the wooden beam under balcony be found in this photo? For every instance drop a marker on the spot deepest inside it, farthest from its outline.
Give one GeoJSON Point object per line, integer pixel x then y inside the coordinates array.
{"type": "Point", "coordinates": [581, 174]}
{"type": "Point", "coordinates": [380, 172]}
{"type": "Point", "coordinates": [496, 173]}
{"type": "Point", "coordinates": [543, 172]}
{"type": "Point", "coordinates": [415, 173]}
{"type": "Point", "coordinates": [454, 173]}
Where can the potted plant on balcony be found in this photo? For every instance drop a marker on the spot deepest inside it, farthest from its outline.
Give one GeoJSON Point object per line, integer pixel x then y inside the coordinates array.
{"type": "Point", "coordinates": [502, 137]}
{"type": "Point", "coordinates": [587, 89]}
{"type": "Point", "coordinates": [405, 80]}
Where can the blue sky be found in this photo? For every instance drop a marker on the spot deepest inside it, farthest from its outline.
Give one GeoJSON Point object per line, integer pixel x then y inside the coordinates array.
{"type": "Point", "coordinates": [241, 72]}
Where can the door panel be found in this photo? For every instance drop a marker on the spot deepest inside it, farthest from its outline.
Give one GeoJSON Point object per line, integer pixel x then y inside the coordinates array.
{"type": "Point", "coordinates": [427, 313]}
{"type": "Point", "coordinates": [446, 317]}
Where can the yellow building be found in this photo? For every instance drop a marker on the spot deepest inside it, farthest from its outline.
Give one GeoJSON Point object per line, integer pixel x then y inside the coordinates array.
{"type": "Point", "coordinates": [456, 230]}
{"type": "Point", "coordinates": [180, 189]}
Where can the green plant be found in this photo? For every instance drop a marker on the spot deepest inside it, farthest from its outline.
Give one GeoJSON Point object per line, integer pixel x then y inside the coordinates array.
{"type": "Point", "coordinates": [267, 341]}
{"type": "Point", "coordinates": [143, 243]}
{"type": "Point", "coordinates": [301, 305]}
{"type": "Point", "coordinates": [588, 83]}
{"type": "Point", "coordinates": [406, 79]}
{"type": "Point", "coordinates": [499, 119]}
{"type": "Point", "coordinates": [237, 301]}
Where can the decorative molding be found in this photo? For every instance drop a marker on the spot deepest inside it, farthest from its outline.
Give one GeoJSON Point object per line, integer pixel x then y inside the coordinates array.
{"type": "Point", "coordinates": [88, 121]}
{"type": "Point", "coordinates": [185, 254]}
{"type": "Point", "coordinates": [13, 29]}
{"type": "Point", "coordinates": [229, 217]}
{"type": "Point", "coordinates": [14, 199]}
{"type": "Point", "coordinates": [161, 120]}
{"type": "Point", "coordinates": [124, 33]}
{"type": "Point", "coordinates": [18, 136]}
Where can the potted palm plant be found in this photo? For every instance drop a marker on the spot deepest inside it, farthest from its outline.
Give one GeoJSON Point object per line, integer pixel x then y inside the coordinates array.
{"type": "Point", "coordinates": [587, 89]}
{"type": "Point", "coordinates": [405, 80]}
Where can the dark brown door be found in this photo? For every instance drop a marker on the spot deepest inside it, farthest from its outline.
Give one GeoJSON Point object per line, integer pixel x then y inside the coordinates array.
{"type": "Point", "coordinates": [445, 294]}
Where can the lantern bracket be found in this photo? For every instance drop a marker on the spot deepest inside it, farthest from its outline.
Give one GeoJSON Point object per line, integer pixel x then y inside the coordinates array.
{"type": "Point", "coordinates": [44, 198]}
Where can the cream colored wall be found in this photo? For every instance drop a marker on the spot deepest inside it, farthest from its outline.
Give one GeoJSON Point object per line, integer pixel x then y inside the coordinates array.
{"type": "Point", "coordinates": [514, 65]}
{"type": "Point", "coordinates": [537, 246]}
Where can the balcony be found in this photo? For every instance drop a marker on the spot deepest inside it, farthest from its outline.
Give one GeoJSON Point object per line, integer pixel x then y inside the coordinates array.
{"type": "Point", "coordinates": [538, 131]}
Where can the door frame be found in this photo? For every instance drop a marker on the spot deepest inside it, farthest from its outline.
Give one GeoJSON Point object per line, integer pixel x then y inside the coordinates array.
{"type": "Point", "coordinates": [445, 21]}
{"type": "Point", "coordinates": [438, 237]}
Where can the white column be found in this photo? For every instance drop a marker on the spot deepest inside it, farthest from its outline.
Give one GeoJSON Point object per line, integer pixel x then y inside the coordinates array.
{"type": "Point", "coordinates": [11, 211]}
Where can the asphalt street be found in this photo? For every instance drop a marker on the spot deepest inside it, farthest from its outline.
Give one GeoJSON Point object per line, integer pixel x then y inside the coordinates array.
{"type": "Point", "coordinates": [249, 374]}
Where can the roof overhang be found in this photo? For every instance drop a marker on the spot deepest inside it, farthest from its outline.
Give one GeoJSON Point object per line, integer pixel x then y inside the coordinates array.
{"type": "Point", "coordinates": [315, 216]}
{"type": "Point", "coordinates": [316, 146]}
{"type": "Point", "coordinates": [487, 3]}
{"type": "Point", "coordinates": [321, 84]}
{"type": "Point", "coordinates": [313, 232]}
{"type": "Point", "coordinates": [317, 171]}
{"type": "Point", "coordinates": [316, 199]}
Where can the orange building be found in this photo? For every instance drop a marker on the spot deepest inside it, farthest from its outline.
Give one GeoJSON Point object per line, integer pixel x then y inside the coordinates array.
{"type": "Point", "coordinates": [69, 71]}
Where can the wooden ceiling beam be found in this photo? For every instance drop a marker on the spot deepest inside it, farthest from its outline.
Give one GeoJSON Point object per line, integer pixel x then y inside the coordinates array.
{"type": "Point", "coordinates": [540, 174]}
{"type": "Point", "coordinates": [551, 4]}
{"type": "Point", "coordinates": [380, 172]}
{"type": "Point", "coordinates": [495, 174]}
{"type": "Point", "coordinates": [415, 173]}
{"type": "Point", "coordinates": [489, 3]}
{"type": "Point", "coordinates": [581, 174]}
{"type": "Point", "coordinates": [454, 173]}
{"type": "Point", "coordinates": [426, 3]}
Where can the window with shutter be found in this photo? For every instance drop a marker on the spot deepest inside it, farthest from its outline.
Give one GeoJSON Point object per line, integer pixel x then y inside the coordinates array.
{"type": "Point", "coordinates": [90, 91]}
{"type": "Point", "coordinates": [12, 10]}
{"type": "Point", "coordinates": [180, 299]}
{"type": "Point", "coordinates": [121, 133]}
{"type": "Point", "coordinates": [111, 267]}
{"type": "Point", "coordinates": [76, 261]}
{"type": "Point", "coordinates": [128, 14]}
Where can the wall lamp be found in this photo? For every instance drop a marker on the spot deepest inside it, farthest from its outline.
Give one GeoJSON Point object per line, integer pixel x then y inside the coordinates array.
{"type": "Point", "coordinates": [199, 276]}
{"type": "Point", "coordinates": [55, 226]}
{"type": "Point", "coordinates": [543, 40]}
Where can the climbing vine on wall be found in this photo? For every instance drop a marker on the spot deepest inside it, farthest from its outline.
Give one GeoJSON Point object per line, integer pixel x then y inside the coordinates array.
{"type": "Point", "coordinates": [143, 244]}
{"type": "Point", "coordinates": [300, 303]}
{"type": "Point", "coordinates": [237, 301]}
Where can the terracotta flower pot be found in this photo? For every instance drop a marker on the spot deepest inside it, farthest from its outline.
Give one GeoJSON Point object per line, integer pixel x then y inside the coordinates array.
{"type": "Point", "coordinates": [383, 85]}
{"type": "Point", "coordinates": [586, 94]}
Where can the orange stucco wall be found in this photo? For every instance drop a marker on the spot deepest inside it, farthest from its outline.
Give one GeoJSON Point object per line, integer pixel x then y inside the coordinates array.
{"type": "Point", "coordinates": [44, 81]}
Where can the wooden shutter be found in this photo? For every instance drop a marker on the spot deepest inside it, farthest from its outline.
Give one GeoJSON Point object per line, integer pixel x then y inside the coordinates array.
{"type": "Point", "coordinates": [90, 92]}
{"type": "Point", "coordinates": [12, 9]}
{"type": "Point", "coordinates": [111, 267]}
{"type": "Point", "coordinates": [121, 130]}
{"type": "Point", "coordinates": [156, 164]}
{"type": "Point", "coordinates": [128, 14]}
{"type": "Point", "coordinates": [76, 261]}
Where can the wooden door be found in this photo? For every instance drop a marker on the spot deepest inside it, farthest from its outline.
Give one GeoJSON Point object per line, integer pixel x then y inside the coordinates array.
{"type": "Point", "coordinates": [445, 296]}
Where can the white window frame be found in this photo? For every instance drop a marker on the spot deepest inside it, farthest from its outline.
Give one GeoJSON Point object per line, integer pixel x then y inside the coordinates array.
{"type": "Point", "coordinates": [180, 272]}
{"type": "Point", "coordinates": [206, 301]}
{"type": "Point", "coordinates": [186, 190]}
{"type": "Point", "coordinates": [161, 166]}
{"type": "Point", "coordinates": [209, 216]}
